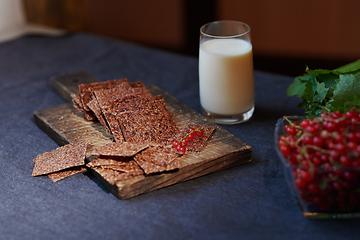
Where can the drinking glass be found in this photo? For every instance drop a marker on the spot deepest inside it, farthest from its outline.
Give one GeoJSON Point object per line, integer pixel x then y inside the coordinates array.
{"type": "Point", "coordinates": [226, 72]}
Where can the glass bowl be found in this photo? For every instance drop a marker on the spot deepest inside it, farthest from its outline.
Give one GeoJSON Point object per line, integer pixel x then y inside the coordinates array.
{"type": "Point", "coordinates": [329, 192]}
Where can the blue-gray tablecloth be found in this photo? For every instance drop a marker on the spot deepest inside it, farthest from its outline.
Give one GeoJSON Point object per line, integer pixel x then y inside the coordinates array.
{"type": "Point", "coordinates": [251, 201]}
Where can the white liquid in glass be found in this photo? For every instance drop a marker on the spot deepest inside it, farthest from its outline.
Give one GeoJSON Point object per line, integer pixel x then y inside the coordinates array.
{"type": "Point", "coordinates": [226, 76]}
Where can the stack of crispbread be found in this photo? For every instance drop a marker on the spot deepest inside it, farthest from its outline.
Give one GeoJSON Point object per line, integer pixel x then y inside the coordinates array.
{"type": "Point", "coordinates": [128, 111]}
{"type": "Point", "coordinates": [143, 130]}
{"type": "Point", "coordinates": [131, 114]}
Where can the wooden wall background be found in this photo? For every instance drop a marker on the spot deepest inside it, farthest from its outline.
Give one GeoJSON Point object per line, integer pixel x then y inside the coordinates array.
{"type": "Point", "coordinates": [325, 32]}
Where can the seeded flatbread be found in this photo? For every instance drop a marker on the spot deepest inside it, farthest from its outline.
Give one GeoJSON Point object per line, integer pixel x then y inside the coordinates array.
{"type": "Point", "coordinates": [124, 164]}
{"type": "Point", "coordinates": [114, 127]}
{"type": "Point", "coordinates": [109, 111]}
{"type": "Point", "coordinates": [124, 149]}
{"type": "Point", "coordinates": [147, 128]}
{"type": "Point", "coordinates": [86, 90]}
{"type": "Point", "coordinates": [108, 97]}
{"type": "Point", "coordinates": [148, 167]}
{"type": "Point", "coordinates": [198, 144]}
{"type": "Point", "coordinates": [138, 84]}
{"type": "Point", "coordinates": [111, 176]}
{"type": "Point", "coordinates": [136, 102]}
{"type": "Point", "coordinates": [95, 108]}
{"type": "Point", "coordinates": [145, 120]}
{"type": "Point", "coordinates": [107, 160]}
{"type": "Point", "coordinates": [157, 158]}
{"type": "Point", "coordinates": [67, 156]}
{"type": "Point", "coordinates": [57, 176]}
{"type": "Point", "coordinates": [158, 99]}
{"type": "Point", "coordinates": [77, 104]}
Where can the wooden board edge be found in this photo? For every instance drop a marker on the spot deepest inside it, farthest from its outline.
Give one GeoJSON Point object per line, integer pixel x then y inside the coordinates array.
{"type": "Point", "coordinates": [66, 85]}
{"type": "Point", "coordinates": [182, 175]}
{"type": "Point", "coordinates": [39, 121]}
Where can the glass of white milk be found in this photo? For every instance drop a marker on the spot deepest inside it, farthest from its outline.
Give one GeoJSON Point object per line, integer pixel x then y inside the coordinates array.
{"type": "Point", "coordinates": [226, 72]}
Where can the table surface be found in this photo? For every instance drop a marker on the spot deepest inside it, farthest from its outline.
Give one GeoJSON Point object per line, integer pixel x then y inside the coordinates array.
{"type": "Point", "coordinates": [250, 201]}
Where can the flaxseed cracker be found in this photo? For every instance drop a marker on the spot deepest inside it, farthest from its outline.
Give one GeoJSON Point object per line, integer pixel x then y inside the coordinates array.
{"type": "Point", "coordinates": [160, 155]}
{"type": "Point", "coordinates": [147, 128]}
{"type": "Point", "coordinates": [57, 176]}
{"type": "Point", "coordinates": [107, 98]}
{"type": "Point", "coordinates": [95, 108]}
{"type": "Point", "coordinates": [148, 167]}
{"type": "Point", "coordinates": [114, 127]}
{"type": "Point", "coordinates": [158, 99]}
{"type": "Point", "coordinates": [107, 160]}
{"type": "Point", "coordinates": [138, 129]}
{"type": "Point", "coordinates": [86, 90]}
{"type": "Point", "coordinates": [77, 104]}
{"type": "Point", "coordinates": [111, 176]}
{"type": "Point", "coordinates": [198, 144]}
{"type": "Point", "coordinates": [146, 120]}
{"type": "Point", "coordinates": [157, 158]}
{"type": "Point", "coordinates": [138, 84]}
{"type": "Point", "coordinates": [67, 156]}
{"type": "Point", "coordinates": [124, 149]}
{"type": "Point", "coordinates": [125, 164]}
{"type": "Point", "coordinates": [130, 103]}
{"type": "Point", "coordinates": [132, 172]}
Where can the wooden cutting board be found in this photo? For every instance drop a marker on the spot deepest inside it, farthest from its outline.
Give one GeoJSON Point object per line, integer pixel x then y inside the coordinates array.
{"type": "Point", "coordinates": [65, 125]}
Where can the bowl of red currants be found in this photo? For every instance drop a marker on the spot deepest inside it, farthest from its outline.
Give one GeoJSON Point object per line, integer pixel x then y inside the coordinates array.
{"type": "Point", "coordinates": [321, 160]}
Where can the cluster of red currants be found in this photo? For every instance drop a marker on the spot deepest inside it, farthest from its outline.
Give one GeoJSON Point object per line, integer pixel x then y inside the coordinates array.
{"type": "Point", "coordinates": [324, 154]}
{"type": "Point", "coordinates": [181, 144]}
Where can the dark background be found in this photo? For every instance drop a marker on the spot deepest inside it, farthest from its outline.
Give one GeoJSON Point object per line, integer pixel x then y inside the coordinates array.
{"type": "Point", "coordinates": [286, 35]}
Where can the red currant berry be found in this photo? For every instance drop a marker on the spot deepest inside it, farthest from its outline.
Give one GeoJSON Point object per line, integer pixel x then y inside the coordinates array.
{"type": "Point", "coordinates": [310, 129]}
{"type": "Point", "coordinates": [181, 148]}
{"type": "Point", "coordinates": [306, 176]}
{"type": "Point", "coordinates": [285, 150]}
{"type": "Point", "coordinates": [318, 141]}
{"type": "Point", "coordinates": [291, 130]}
{"type": "Point", "coordinates": [300, 184]}
{"type": "Point", "coordinates": [190, 137]}
{"type": "Point", "coordinates": [313, 188]}
{"type": "Point", "coordinates": [200, 133]}
{"type": "Point", "coordinates": [191, 130]}
{"type": "Point", "coordinates": [308, 140]}
{"type": "Point", "coordinates": [345, 161]}
{"type": "Point", "coordinates": [304, 123]}
{"type": "Point", "coordinates": [351, 114]}
{"type": "Point", "coordinates": [175, 143]}
{"type": "Point", "coordinates": [350, 136]}
{"type": "Point", "coordinates": [335, 114]}
{"type": "Point", "coordinates": [351, 146]}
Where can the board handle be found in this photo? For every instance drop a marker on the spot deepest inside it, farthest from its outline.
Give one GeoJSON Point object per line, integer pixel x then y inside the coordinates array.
{"type": "Point", "coordinates": [68, 84]}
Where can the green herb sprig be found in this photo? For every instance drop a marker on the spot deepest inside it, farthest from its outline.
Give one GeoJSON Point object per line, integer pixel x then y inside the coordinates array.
{"type": "Point", "coordinates": [328, 90]}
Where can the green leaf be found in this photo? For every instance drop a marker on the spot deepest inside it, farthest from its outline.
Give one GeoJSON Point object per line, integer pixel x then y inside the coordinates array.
{"type": "Point", "coordinates": [353, 67]}
{"type": "Point", "coordinates": [328, 79]}
{"type": "Point", "coordinates": [296, 88]}
{"type": "Point", "coordinates": [347, 93]}
{"type": "Point", "coordinates": [350, 67]}
{"type": "Point", "coordinates": [328, 90]}
{"type": "Point", "coordinates": [321, 93]}
{"type": "Point", "coordinates": [317, 72]}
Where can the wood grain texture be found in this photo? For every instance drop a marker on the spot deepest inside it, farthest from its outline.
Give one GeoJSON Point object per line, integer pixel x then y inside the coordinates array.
{"type": "Point", "coordinates": [64, 125]}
